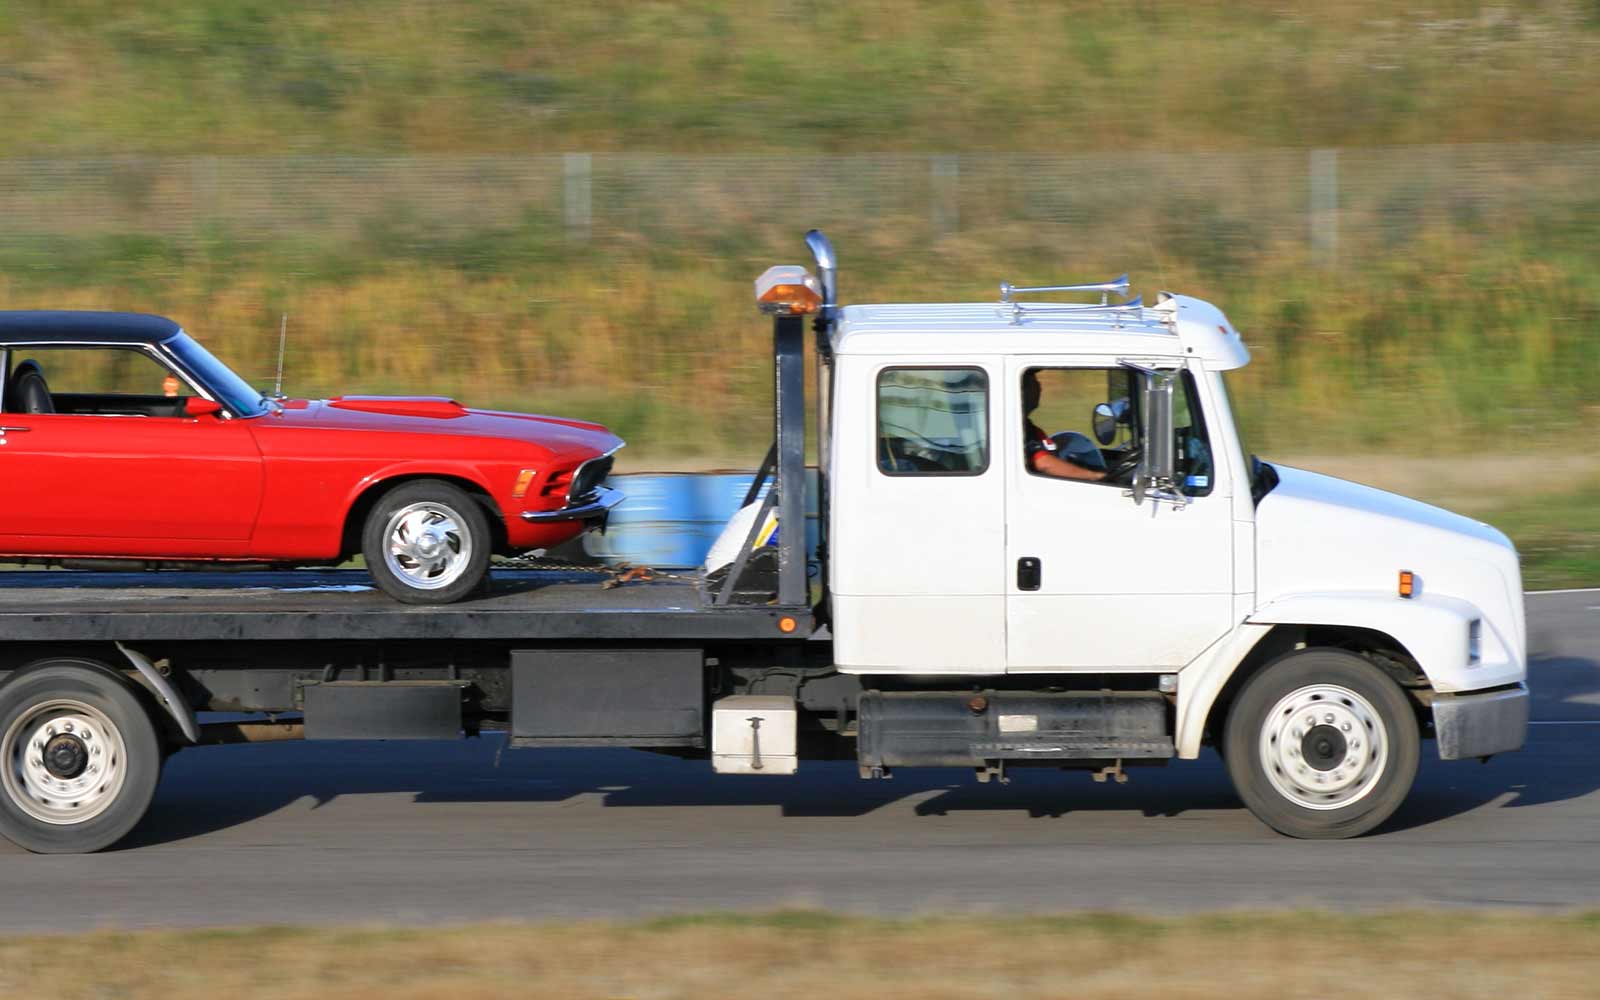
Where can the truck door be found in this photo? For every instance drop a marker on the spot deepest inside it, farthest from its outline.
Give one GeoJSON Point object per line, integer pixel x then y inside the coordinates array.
{"type": "Point", "coordinates": [1095, 581]}
{"type": "Point", "coordinates": [917, 532]}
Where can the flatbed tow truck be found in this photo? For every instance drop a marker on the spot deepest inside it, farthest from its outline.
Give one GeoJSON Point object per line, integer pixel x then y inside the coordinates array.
{"type": "Point", "coordinates": [963, 608]}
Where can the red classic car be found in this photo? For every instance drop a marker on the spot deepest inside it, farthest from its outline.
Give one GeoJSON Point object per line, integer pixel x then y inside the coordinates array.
{"type": "Point", "coordinates": [122, 438]}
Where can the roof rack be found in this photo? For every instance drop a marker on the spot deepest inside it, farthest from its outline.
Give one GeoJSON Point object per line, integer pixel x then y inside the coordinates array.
{"type": "Point", "coordinates": [1119, 286]}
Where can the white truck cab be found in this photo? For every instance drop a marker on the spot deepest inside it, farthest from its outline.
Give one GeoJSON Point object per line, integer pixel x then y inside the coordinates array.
{"type": "Point", "coordinates": [1315, 630]}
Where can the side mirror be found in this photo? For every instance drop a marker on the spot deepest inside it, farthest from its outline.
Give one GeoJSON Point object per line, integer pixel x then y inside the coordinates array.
{"type": "Point", "coordinates": [1156, 463]}
{"type": "Point", "coordinates": [195, 406]}
{"type": "Point", "coordinates": [1107, 418]}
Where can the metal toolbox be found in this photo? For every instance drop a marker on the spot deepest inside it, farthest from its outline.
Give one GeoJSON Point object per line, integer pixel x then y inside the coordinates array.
{"type": "Point", "coordinates": [753, 734]}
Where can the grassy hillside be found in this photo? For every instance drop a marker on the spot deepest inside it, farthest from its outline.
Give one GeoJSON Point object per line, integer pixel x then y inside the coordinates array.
{"type": "Point", "coordinates": [520, 75]}
{"type": "Point", "coordinates": [1458, 317]}
{"type": "Point", "coordinates": [1458, 342]}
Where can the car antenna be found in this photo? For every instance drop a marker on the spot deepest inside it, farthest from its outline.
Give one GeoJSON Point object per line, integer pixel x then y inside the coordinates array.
{"type": "Point", "coordinates": [283, 340]}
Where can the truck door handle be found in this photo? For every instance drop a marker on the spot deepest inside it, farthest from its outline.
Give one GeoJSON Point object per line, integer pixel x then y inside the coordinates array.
{"type": "Point", "coordinates": [1030, 573]}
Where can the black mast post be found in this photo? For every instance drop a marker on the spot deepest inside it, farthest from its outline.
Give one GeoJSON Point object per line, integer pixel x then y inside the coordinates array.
{"type": "Point", "coordinates": [788, 335]}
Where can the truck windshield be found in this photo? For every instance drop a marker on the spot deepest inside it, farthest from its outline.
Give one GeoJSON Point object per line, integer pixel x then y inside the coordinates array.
{"type": "Point", "coordinates": [231, 390]}
{"type": "Point", "coordinates": [1263, 477]}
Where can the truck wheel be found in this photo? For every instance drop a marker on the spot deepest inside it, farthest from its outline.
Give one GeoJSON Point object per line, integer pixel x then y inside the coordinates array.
{"type": "Point", "coordinates": [80, 757]}
{"type": "Point", "coordinates": [1322, 745]}
{"type": "Point", "coordinates": [427, 543]}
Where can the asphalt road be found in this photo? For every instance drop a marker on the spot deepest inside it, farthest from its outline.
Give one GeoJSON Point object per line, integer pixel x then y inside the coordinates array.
{"type": "Point", "coordinates": [374, 832]}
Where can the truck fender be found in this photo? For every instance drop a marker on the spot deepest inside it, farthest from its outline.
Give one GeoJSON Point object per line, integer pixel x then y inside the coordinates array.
{"type": "Point", "coordinates": [1434, 628]}
{"type": "Point", "coordinates": [170, 699]}
{"type": "Point", "coordinates": [1204, 677]}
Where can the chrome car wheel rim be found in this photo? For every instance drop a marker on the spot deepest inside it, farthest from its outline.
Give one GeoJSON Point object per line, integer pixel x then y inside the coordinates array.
{"type": "Point", "coordinates": [65, 762]}
{"type": "Point", "coordinates": [1324, 746]}
{"type": "Point", "coordinates": [429, 546]}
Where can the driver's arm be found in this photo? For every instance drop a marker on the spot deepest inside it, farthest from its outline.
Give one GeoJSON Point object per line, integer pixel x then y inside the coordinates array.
{"type": "Point", "coordinates": [1047, 464]}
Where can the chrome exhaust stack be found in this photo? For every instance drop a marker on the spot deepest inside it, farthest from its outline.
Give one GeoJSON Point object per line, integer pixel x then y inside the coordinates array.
{"type": "Point", "coordinates": [827, 274]}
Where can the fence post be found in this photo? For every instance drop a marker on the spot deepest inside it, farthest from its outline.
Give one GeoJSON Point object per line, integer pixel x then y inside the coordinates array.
{"type": "Point", "coordinates": [1325, 207]}
{"type": "Point", "coordinates": [577, 196]}
{"type": "Point", "coordinates": [945, 173]}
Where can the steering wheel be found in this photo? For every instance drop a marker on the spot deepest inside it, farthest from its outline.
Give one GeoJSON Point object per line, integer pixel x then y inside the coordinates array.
{"type": "Point", "coordinates": [1127, 465]}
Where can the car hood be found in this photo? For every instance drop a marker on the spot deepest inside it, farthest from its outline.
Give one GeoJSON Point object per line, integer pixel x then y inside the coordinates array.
{"type": "Point", "coordinates": [433, 415]}
{"type": "Point", "coordinates": [1318, 534]}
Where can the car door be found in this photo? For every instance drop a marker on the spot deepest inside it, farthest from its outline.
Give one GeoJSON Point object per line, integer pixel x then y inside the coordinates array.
{"type": "Point", "coordinates": [1096, 581]}
{"type": "Point", "coordinates": [916, 530]}
{"type": "Point", "coordinates": [107, 477]}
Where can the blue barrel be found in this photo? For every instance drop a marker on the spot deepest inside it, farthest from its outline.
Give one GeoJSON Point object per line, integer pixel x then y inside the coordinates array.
{"type": "Point", "coordinates": [670, 519]}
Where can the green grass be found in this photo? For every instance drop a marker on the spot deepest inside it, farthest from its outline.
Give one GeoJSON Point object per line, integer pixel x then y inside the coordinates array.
{"type": "Point", "coordinates": [1557, 535]}
{"type": "Point", "coordinates": [252, 75]}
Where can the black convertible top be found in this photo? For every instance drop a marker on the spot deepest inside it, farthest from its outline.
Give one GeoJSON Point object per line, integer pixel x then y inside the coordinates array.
{"type": "Point", "coordinates": [63, 326]}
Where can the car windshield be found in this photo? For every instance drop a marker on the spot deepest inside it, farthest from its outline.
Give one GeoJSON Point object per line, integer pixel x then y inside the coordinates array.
{"type": "Point", "coordinates": [231, 390]}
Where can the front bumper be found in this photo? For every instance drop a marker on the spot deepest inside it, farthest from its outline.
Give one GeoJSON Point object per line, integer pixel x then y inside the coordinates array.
{"type": "Point", "coordinates": [596, 506]}
{"type": "Point", "coordinates": [1481, 723]}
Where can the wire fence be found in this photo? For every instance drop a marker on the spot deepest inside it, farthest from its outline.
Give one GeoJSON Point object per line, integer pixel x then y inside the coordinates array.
{"type": "Point", "coordinates": [1332, 202]}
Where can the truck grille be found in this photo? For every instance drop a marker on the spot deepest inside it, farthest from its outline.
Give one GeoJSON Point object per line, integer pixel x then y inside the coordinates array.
{"type": "Point", "coordinates": [589, 476]}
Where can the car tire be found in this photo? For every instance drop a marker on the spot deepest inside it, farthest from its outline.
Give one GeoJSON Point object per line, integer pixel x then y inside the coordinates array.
{"type": "Point", "coordinates": [427, 542]}
{"type": "Point", "coordinates": [1322, 744]}
{"type": "Point", "coordinates": [104, 757]}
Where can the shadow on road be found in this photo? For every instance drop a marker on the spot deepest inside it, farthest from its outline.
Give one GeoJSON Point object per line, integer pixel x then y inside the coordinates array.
{"type": "Point", "coordinates": [211, 789]}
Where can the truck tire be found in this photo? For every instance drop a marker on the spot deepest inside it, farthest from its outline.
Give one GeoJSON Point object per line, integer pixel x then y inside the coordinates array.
{"type": "Point", "coordinates": [427, 542]}
{"type": "Point", "coordinates": [80, 754]}
{"type": "Point", "coordinates": [1322, 744]}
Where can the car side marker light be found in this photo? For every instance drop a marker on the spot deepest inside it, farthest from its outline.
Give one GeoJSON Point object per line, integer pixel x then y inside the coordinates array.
{"type": "Point", "coordinates": [524, 480]}
{"type": "Point", "coordinates": [1408, 584]}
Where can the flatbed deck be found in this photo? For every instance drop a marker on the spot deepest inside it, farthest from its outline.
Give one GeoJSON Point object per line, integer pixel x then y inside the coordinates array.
{"type": "Point", "coordinates": [537, 605]}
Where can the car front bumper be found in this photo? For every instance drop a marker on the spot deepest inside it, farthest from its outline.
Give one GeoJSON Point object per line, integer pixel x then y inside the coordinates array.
{"type": "Point", "coordinates": [596, 506]}
{"type": "Point", "coordinates": [1481, 723]}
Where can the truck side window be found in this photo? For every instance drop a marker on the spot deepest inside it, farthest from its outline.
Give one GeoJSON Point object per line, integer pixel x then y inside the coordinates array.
{"type": "Point", "coordinates": [1058, 407]}
{"type": "Point", "coordinates": [933, 421]}
{"type": "Point", "coordinates": [1192, 450]}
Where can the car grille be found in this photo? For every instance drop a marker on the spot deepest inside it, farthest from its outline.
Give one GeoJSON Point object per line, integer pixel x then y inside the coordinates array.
{"type": "Point", "coordinates": [589, 476]}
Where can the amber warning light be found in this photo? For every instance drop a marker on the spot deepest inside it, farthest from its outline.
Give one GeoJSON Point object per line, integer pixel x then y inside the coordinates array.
{"type": "Point", "coordinates": [788, 290]}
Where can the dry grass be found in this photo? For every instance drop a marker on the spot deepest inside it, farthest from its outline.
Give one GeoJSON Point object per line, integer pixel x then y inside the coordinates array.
{"type": "Point", "coordinates": [804, 954]}
{"type": "Point", "coordinates": [1489, 340]}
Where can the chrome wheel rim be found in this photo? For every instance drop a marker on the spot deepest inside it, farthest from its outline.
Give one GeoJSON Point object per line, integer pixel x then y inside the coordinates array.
{"type": "Point", "coordinates": [65, 762]}
{"type": "Point", "coordinates": [1324, 746]}
{"type": "Point", "coordinates": [428, 545]}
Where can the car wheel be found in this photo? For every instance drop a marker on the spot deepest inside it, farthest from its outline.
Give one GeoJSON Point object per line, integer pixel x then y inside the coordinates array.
{"type": "Point", "coordinates": [81, 757]}
{"type": "Point", "coordinates": [1322, 744]}
{"type": "Point", "coordinates": [427, 542]}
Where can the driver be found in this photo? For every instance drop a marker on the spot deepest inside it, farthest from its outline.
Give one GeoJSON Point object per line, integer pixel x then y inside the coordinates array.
{"type": "Point", "coordinates": [1038, 450]}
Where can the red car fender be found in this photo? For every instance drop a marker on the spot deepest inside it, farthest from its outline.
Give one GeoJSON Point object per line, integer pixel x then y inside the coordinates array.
{"type": "Point", "coordinates": [305, 515]}
{"type": "Point", "coordinates": [467, 474]}
{"type": "Point", "coordinates": [493, 478]}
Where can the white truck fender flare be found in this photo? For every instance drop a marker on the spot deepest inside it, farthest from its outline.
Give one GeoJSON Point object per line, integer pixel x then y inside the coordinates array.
{"type": "Point", "coordinates": [1204, 677]}
{"type": "Point", "coordinates": [1433, 628]}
